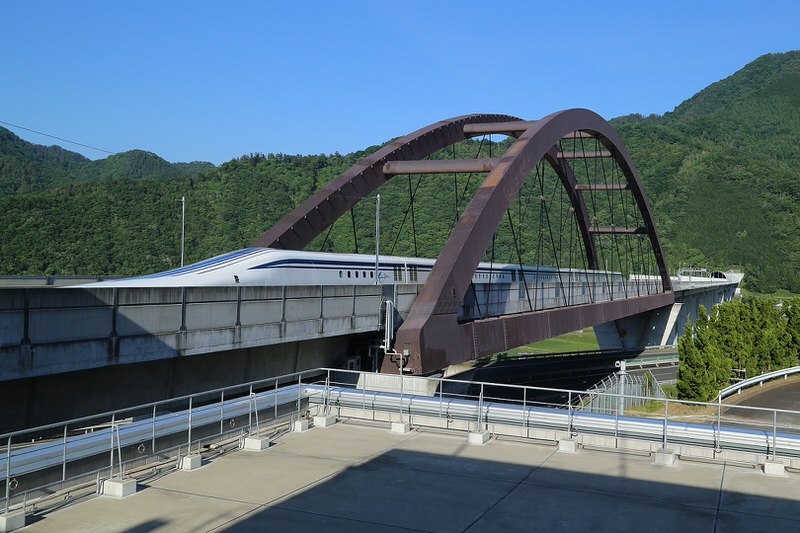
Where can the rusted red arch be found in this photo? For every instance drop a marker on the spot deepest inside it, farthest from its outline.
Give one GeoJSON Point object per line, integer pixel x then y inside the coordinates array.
{"type": "Point", "coordinates": [431, 335]}
{"type": "Point", "coordinates": [431, 325]}
{"type": "Point", "coordinates": [297, 229]}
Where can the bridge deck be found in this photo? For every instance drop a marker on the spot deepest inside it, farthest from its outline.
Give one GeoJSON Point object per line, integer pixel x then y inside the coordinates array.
{"type": "Point", "coordinates": [352, 477]}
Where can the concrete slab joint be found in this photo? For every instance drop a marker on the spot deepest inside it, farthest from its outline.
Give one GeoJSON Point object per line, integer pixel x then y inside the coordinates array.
{"type": "Point", "coordinates": [12, 521]}
{"type": "Point", "coordinates": [119, 488]}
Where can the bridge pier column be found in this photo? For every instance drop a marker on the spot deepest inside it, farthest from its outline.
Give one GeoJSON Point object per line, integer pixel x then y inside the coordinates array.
{"type": "Point", "coordinates": [651, 328]}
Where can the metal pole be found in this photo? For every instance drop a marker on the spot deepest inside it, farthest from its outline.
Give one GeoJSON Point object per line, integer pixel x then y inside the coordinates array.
{"type": "Point", "coordinates": [666, 416]}
{"type": "Point", "coordinates": [719, 423]}
{"type": "Point", "coordinates": [377, 236]}
{"type": "Point", "coordinates": [221, 412]}
{"type": "Point", "coordinates": [189, 444]}
{"type": "Point", "coordinates": [153, 437]}
{"type": "Point", "coordinates": [569, 404]}
{"type": "Point", "coordinates": [401, 394]}
{"type": "Point", "coordinates": [8, 473]}
{"type": "Point", "coordinates": [250, 410]}
{"type": "Point", "coordinates": [774, 432]}
{"type": "Point", "coordinates": [119, 454]}
{"type": "Point", "coordinates": [183, 225]}
{"type": "Point", "coordinates": [64, 457]}
{"type": "Point", "coordinates": [480, 410]}
{"type": "Point", "coordinates": [441, 386]}
{"type": "Point", "coordinates": [525, 409]}
{"type": "Point", "coordinates": [621, 375]}
{"type": "Point", "coordinates": [111, 460]}
{"type": "Point", "coordinates": [299, 383]}
{"type": "Point", "coordinates": [326, 399]}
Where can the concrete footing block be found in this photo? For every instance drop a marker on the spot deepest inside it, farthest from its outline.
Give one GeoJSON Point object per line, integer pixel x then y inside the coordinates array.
{"type": "Point", "coordinates": [773, 468]}
{"type": "Point", "coordinates": [12, 521]}
{"type": "Point", "coordinates": [323, 421]}
{"type": "Point", "coordinates": [478, 437]}
{"type": "Point", "coordinates": [192, 461]}
{"type": "Point", "coordinates": [256, 444]}
{"type": "Point", "coordinates": [119, 488]}
{"type": "Point", "coordinates": [568, 445]}
{"type": "Point", "coordinates": [665, 457]}
{"type": "Point", "coordinates": [300, 426]}
{"type": "Point", "coordinates": [401, 427]}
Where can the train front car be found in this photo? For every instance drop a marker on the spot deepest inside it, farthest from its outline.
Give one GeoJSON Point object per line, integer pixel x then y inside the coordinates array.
{"type": "Point", "coordinates": [271, 267]}
{"type": "Point", "coordinates": [223, 270]}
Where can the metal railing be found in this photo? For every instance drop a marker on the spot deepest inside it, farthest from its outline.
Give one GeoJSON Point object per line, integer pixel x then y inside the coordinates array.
{"type": "Point", "coordinates": [37, 463]}
{"type": "Point", "coordinates": [618, 392]}
{"type": "Point", "coordinates": [786, 372]}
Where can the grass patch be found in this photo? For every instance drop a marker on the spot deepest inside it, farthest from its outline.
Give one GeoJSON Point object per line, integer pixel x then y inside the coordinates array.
{"type": "Point", "coordinates": [780, 294]}
{"type": "Point", "coordinates": [577, 341]}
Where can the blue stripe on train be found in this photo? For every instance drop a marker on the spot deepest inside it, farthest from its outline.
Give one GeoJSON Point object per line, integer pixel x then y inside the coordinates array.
{"type": "Point", "coordinates": [214, 261]}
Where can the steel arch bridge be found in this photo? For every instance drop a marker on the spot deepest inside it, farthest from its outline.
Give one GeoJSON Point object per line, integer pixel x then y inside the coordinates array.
{"type": "Point", "coordinates": [432, 336]}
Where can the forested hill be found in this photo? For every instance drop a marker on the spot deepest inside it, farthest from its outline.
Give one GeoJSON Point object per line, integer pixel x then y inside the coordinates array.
{"type": "Point", "coordinates": [721, 172]}
{"type": "Point", "coordinates": [29, 168]}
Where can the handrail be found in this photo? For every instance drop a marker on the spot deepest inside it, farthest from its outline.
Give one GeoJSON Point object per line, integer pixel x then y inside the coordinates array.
{"type": "Point", "coordinates": [757, 379]}
{"type": "Point", "coordinates": [340, 385]}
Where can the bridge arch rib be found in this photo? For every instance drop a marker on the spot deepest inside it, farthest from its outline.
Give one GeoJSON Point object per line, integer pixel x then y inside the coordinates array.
{"type": "Point", "coordinates": [297, 229]}
{"type": "Point", "coordinates": [431, 337]}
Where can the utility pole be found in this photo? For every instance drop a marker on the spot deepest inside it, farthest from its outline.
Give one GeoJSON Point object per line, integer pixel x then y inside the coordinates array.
{"type": "Point", "coordinates": [377, 237]}
{"type": "Point", "coordinates": [183, 225]}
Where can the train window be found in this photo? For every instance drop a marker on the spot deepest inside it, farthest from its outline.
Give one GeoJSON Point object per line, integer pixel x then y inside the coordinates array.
{"type": "Point", "coordinates": [348, 273]}
{"type": "Point", "coordinates": [356, 273]}
{"type": "Point", "coordinates": [513, 275]}
{"type": "Point", "coordinates": [414, 273]}
{"type": "Point", "coordinates": [398, 273]}
{"type": "Point", "coordinates": [340, 273]}
{"type": "Point", "coordinates": [372, 274]}
{"type": "Point", "coordinates": [363, 274]}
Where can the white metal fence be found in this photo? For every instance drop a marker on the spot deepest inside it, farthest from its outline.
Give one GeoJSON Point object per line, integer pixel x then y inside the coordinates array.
{"type": "Point", "coordinates": [36, 464]}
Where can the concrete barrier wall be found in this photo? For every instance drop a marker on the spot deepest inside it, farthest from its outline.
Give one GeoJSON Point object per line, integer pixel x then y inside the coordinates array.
{"type": "Point", "coordinates": [43, 331]}
{"type": "Point", "coordinates": [49, 330]}
{"type": "Point", "coordinates": [47, 399]}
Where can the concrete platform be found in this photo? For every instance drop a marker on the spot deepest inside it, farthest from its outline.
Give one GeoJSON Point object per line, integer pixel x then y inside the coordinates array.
{"type": "Point", "coordinates": [354, 477]}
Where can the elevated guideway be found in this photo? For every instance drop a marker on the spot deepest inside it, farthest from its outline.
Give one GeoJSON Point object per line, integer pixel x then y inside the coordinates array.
{"type": "Point", "coordinates": [51, 331]}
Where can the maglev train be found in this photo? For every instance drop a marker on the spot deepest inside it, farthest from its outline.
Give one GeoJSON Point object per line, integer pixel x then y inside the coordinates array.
{"type": "Point", "coordinates": [272, 267]}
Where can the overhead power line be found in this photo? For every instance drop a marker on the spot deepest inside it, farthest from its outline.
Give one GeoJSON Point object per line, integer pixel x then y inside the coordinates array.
{"type": "Point", "coordinates": [56, 137]}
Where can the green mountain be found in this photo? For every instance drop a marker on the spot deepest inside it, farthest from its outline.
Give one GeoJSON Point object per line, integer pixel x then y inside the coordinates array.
{"type": "Point", "coordinates": [720, 171]}
{"type": "Point", "coordinates": [29, 168]}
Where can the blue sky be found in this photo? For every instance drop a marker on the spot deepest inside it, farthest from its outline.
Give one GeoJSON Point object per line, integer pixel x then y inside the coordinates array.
{"type": "Point", "coordinates": [212, 81]}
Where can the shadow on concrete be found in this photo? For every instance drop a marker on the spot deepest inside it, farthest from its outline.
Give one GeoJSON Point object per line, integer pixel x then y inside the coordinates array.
{"type": "Point", "coordinates": [410, 490]}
